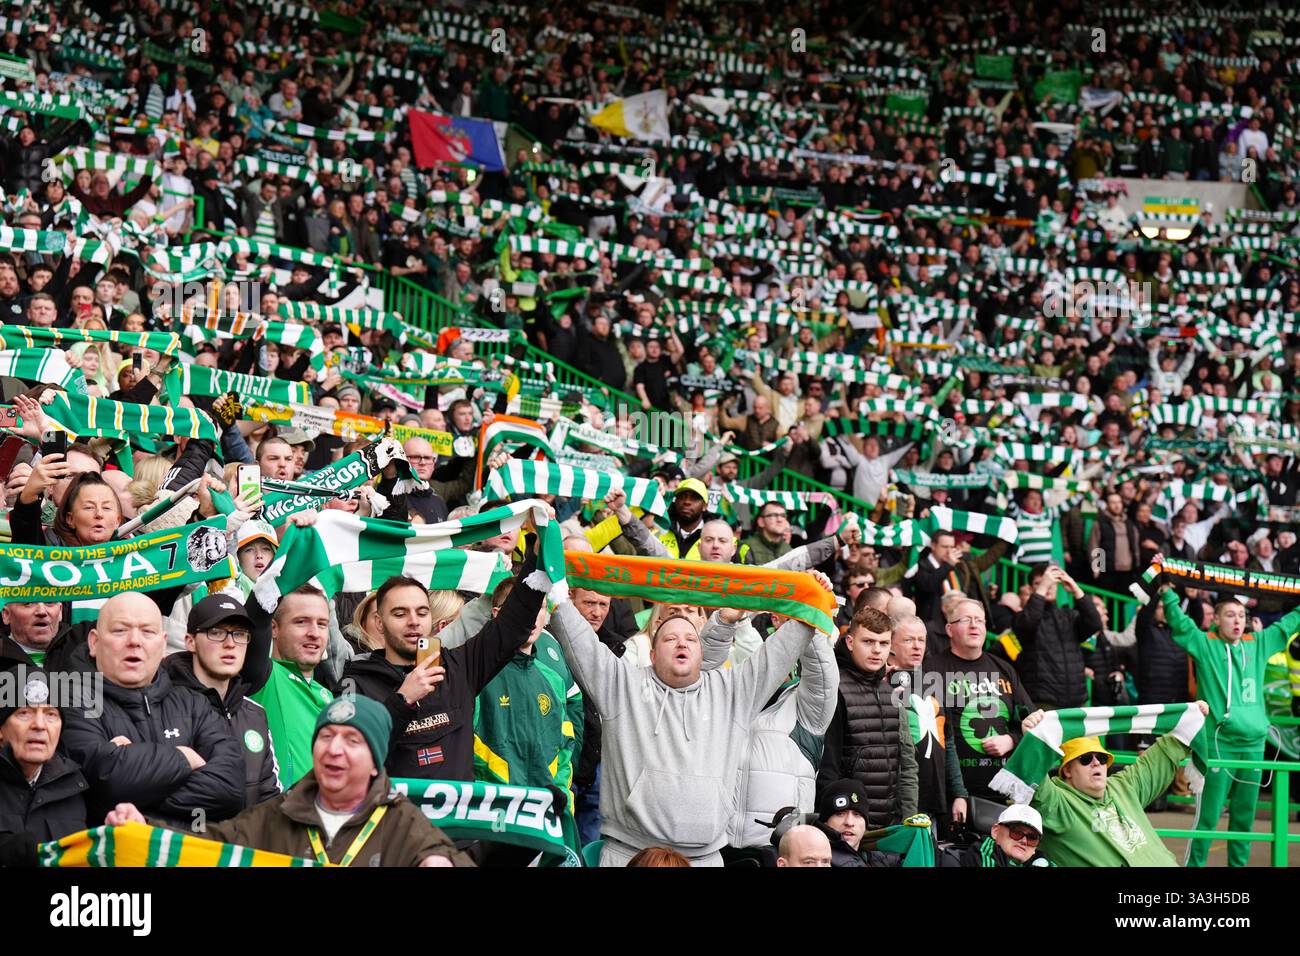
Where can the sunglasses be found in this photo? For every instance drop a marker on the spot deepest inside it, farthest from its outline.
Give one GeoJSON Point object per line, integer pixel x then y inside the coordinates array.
{"type": "Point", "coordinates": [1087, 759]}
{"type": "Point", "coordinates": [1025, 835]}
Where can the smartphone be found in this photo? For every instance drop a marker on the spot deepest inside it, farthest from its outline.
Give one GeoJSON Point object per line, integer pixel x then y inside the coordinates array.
{"type": "Point", "coordinates": [428, 647]}
{"type": "Point", "coordinates": [8, 416]}
{"type": "Point", "coordinates": [248, 477]}
{"type": "Point", "coordinates": [54, 442]}
{"type": "Point", "coordinates": [137, 361]}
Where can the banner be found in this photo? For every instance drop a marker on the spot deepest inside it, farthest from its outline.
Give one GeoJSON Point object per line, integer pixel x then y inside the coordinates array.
{"type": "Point", "coordinates": [190, 554]}
{"type": "Point", "coordinates": [136, 844]}
{"type": "Point", "coordinates": [1223, 579]}
{"type": "Point", "coordinates": [346, 425]}
{"type": "Point", "coordinates": [522, 816]}
{"type": "Point", "coordinates": [454, 139]}
{"type": "Point", "coordinates": [1040, 748]}
{"type": "Point", "coordinates": [795, 594]}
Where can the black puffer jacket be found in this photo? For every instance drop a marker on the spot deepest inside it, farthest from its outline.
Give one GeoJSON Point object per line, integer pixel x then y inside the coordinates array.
{"type": "Point", "coordinates": [1051, 664]}
{"type": "Point", "coordinates": [869, 740]}
{"type": "Point", "coordinates": [150, 772]}
{"type": "Point", "coordinates": [435, 738]}
{"type": "Point", "coordinates": [246, 720]}
{"type": "Point", "coordinates": [1161, 674]}
{"type": "Point", "coordinates": [52, 809]}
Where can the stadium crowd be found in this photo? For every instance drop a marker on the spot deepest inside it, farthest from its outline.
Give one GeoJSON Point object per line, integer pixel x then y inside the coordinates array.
{"type": "Point", "coordinates": [381, 308]}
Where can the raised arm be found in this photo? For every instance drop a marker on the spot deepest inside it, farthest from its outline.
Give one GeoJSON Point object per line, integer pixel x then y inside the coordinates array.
{"type": "Point", "coordinates": [819, 682]}
{"type": "Point", "coordinates": [759, 676]}
{"type": "Point", "coordinates": [716, 638]}
{"type": "Point", "coordinates": [594, 666]}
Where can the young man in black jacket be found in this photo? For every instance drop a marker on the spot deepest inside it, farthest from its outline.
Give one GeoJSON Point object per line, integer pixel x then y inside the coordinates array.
{"type": "Point", "coordinates": [156, 745]}
{"type": "Point", "coordinates": [217, 638]}
{"type": "Point", "coordinates": [432, 703]}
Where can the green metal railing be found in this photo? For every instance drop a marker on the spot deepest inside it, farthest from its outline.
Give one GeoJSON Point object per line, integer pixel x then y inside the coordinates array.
{"type": "Point", "coordinates": [1280, 807]}
{"type": "Point", "coordinates": [1011, 575]}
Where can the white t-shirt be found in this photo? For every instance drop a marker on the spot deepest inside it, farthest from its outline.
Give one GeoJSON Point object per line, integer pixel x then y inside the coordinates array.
{"type": "Point", "coordinates": [331, 822]}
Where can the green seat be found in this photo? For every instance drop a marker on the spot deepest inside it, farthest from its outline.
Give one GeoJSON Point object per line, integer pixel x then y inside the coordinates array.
{"type": "Point", "coordinates": [591, 853]}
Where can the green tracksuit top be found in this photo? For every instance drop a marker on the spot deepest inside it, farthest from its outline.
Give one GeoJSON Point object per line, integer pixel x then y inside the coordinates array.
{"type": "Point", "coordinates": [522, 731]}
{"type": "Point", "coordinates": [292, 704]}
{"type": "Point", "coordinates": [1247, 722]}
{"type": "Point", "coordinates": [1079, 830]}
{"type": "Point", "coordinates": [549, 652]}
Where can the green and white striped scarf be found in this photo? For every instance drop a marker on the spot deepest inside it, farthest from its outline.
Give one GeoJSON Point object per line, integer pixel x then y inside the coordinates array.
{"type": "Point", "coordinates": [46, 366]}
{"type": "Point", "coordinates": [103, 417]}
{"type": "Point", "coordinates": [790, 500]}
{"type": "Point", "coordinates": [344, 552]}
{"type": "Point", "coordinates": [542, 477]}
{"type": "Point", "coordinates": [46, 242]}
{"type": "Point", "coordinates": [33, 337]}
{"type": "Point", "coordinates": [1040, 748]}
{"type": "Point", "coordinates": [192, 379]}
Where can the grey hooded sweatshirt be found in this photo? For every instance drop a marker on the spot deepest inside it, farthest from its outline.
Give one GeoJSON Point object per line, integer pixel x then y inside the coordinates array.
{"type": "Point", "coordinates": [671, 756]}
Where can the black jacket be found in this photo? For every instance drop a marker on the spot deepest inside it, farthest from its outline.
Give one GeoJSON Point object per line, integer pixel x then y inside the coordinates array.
{"type": "Point", "coordinates": [50, 810]}
{"type": "Point", "coordinates": [435, 738]}
{"type": "Point", "coordinates": [1051, 664]}
{"type": "Point", "coordinates": [246, 720]}
{"type": "Point", "coordinates": [1161, 675]}
{"type": "Point", "coordinates": [150, 772]}
{"type": "Point", "coordinates": [600, 359]}
{"type": "Point", "coordinates": [870, 741]}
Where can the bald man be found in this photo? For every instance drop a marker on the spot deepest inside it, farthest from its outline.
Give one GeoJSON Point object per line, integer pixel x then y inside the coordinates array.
{"type": "Point", "coordinates": [804, 846]}
{"type": "Point", "coordinates": [150, 742]}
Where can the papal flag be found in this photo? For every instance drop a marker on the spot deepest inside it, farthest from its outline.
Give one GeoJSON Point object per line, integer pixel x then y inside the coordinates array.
{"type": "Point", "coordinates": [644, 116]}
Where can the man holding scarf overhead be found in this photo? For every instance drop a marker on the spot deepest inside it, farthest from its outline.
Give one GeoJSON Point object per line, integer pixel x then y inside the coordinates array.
{"type": "Point", "coordinates": [674, 736]}
{"type": "Point", "coordinates": [1230, 665]}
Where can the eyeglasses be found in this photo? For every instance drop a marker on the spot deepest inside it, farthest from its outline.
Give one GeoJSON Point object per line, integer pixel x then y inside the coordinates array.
{"type": "Point", "coordinates": [1025, 835]}
{"type": "Point", "coordinates": [415, 458]}
{"type": "Point", "coordinates": [1087, 759]}
{"type": "Point", "coordinates": [218, 635]}
{"type": "Point", "coordinates": [780, 515]}
{"type": "Point", "coordinates": [964, 621]}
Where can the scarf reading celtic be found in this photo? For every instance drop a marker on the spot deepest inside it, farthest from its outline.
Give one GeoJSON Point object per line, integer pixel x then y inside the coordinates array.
{"type": "Point", "coordinates": [522, 816]}
{"type": "Point", "coordinates": [1040, 748]}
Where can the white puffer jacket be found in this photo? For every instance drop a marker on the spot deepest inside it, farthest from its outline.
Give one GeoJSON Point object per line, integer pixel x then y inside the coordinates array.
{"type": "Point", "coordinates": [780, 766]}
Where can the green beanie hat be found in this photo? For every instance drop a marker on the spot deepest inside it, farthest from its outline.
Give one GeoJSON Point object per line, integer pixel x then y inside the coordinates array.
{"type": "Point", "coordinates": [368, 716]}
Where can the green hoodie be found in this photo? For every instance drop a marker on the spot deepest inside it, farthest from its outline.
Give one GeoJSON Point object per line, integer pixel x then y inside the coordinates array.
{"type": "Point", "coordinates": [1247, 722]}
{"type": "Point", "coordinates": [523, 734]}
{"type": "Point", "coordinates": [1079, 830]}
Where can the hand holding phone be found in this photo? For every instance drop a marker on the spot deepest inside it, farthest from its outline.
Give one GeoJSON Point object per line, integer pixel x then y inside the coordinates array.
{"type": "Point", "coordinates": [428, 647]}
{"type": "Point", "coordinates": [54, 442]}
{"type": "Point", "coordinates": [248, 478]}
